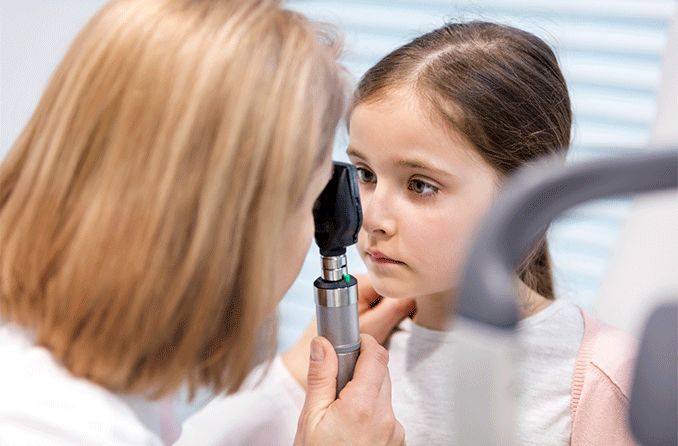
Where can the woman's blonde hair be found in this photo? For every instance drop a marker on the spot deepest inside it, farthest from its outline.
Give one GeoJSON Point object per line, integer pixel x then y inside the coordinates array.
{"type": "Point", "coordinates": [141, 205]}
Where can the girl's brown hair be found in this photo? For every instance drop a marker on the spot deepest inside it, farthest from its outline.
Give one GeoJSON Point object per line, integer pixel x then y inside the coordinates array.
{"type": "Point", "coordinates": [140, 206]}
{"type": "Point", "coordinates": [499, 86]}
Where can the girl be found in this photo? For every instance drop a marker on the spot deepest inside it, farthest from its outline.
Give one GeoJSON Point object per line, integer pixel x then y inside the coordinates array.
{"type": "Point", "coordinates": [435, 129]}
{"type": "Point", "coordinates": [152, 213]}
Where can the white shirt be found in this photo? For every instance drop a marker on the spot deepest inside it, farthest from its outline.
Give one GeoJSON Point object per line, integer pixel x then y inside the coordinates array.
{"type": "Point", "coordinates": [420, 367]}
{"type": "Point", "coordinates": [421, 361]}
{"type": "Point", "coordinates": [42, 403]}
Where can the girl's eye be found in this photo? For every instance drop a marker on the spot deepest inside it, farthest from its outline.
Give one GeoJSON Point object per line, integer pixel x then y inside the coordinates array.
{"type": "Point", "coordinates": [365, 176]}
{"type": "Point", "coordinates": [422, 188]}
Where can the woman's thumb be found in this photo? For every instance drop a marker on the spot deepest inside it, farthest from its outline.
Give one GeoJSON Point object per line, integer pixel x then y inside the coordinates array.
{"type": "Point", "coordinates": [322, 376]}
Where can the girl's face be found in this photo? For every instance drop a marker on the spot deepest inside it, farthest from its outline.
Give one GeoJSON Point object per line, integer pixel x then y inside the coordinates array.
{"type": "Point", "coordinates": [423, 189]}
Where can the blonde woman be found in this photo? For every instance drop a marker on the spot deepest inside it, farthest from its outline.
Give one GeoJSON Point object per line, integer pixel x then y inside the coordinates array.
{"type": "Point", "coordinates": [153, 212]}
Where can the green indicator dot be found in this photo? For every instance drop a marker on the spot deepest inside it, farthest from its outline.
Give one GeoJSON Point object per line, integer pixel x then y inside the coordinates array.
{"type": "Point", "coordinates": [347, 277]}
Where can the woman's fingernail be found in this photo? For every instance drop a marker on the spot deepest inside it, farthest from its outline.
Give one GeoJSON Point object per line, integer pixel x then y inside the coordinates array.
{"type": "Point", "coordinates": [317, 352]}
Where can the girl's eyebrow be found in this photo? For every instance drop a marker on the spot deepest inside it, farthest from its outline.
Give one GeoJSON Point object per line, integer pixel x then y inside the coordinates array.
{"type": "Point", "coordinates": [409, 163]}
{"type": "Point", "coordinates": [413, 163]}
{"type": "Point", "coordinates": [351, 151]}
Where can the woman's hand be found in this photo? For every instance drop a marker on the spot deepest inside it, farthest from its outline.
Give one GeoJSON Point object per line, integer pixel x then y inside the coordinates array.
{"type": "Point", "coordinates": [378, 317]}
{"type": "Point", "coordinates": [362, 415]}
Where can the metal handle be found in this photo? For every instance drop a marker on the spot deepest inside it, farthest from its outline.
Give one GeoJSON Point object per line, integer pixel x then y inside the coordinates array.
{"type": "Point", "coordinates": [337, 320]}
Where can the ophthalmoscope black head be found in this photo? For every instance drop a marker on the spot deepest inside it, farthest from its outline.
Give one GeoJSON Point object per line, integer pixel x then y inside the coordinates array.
{"type": "Point", "coordinates": [337, 212]}
{"type": "Point", "coordinates": [338, 217]}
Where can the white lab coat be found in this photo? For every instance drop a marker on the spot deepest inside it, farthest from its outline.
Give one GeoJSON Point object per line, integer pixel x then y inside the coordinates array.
{"type": "Point", "coordinates": [42, 403]}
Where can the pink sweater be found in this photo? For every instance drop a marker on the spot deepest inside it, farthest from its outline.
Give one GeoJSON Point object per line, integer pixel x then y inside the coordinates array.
{"type": "Point", "coordinates": [601, 385]}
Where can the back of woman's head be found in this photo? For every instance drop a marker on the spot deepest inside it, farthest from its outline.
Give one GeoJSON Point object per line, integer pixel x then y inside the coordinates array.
{"type": "Point", "coordinates": [499, 87]}
{"type": "Point", "coordinates": [140, 205]}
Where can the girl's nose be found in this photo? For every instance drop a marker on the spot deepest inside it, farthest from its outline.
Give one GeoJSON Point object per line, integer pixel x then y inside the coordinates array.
{"type": "Point", "coordinates": [378, 215]}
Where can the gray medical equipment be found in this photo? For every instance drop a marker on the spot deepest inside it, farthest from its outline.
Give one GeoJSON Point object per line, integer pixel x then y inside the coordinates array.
{"type": "Point", "coordinates": [487, 307]}
{"type": "Point", "coordinates": [653, 411]}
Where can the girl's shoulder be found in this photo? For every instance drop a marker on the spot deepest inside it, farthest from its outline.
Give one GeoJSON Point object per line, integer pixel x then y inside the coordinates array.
{"type": "Point", "coordinates": [601, 385]}
{"type": "Point", "coordinates": [609, 350]}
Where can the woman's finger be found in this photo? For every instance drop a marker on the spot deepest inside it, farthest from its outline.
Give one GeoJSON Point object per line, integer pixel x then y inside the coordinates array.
{"type": "Point", "coordinates": [367, 296]}
{"type": "Point", "coordinates": [384, 317]}
{"type": "Point", "coordinates": [296, 358]}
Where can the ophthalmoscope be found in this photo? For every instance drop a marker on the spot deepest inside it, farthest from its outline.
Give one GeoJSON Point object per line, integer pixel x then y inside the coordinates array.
{"type": "Point", "coordinates": [338, 216]}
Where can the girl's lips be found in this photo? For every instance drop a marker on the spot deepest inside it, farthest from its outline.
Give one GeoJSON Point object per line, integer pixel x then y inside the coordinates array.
{"type": "Point", "coordinates": [378, 257]}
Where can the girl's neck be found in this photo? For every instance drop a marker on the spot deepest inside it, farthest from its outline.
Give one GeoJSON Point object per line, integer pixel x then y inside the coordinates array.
{"type": "Point", "coordinates": [433, 310]}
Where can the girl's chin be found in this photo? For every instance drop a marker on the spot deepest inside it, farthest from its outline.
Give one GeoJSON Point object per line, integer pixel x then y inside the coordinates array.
{"type": "Point", "coordinates": [389, 287]}
{"type": "Point", "coordinates": [402, 288]}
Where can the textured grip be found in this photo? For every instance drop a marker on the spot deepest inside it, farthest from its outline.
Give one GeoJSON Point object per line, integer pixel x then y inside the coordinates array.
{"type": "Point", "coordinates": [340, 326]}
